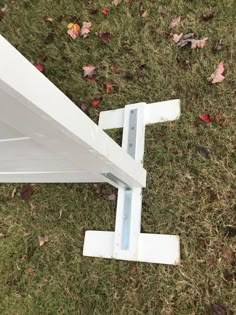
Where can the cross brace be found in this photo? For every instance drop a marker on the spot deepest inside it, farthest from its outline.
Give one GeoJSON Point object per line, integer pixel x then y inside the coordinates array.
{"type": "Point", "coordinates": [127, 242]}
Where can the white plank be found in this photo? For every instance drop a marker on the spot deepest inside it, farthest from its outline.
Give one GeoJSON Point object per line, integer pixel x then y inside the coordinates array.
{"type": "Point", "coordinates": [39, 110]}
{"type": "Point", "coordinates": [154, 113]}
{"type": "Point", "coordinates": [152, 248]}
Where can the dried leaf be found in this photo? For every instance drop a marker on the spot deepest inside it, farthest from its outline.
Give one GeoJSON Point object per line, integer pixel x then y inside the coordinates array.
{"type": "Point", "coordinates": [218, 309]}
{"type": "Point", "coordinates": [89, 71]}
{"type": "Point", "coordinates": [47, 19]}
{"type": "Point", "coordinates": [104, 36]}
{"type": "Point", "coordinates": [93, 11]}
{"type": "Point", "coordinates": [42, 240]}
{"type": "Point", "coordinates": [112, 197]}
{"type": "Point", "coordinates": [114, 68]}
{"type": "Point", "coordinates": [105, 11]}
{"type": "Point", "coordinates": [207, 15]}
{"type": "Point", "coordinates": [73, 30]}
{"type": "Point", "coordinates": [217, 77]}
{"type": "Point", "coordinates": [133, 270]}
{"type": "Point", "coordinates": [98, 188]}
{"type": "Point", "coordinates": [203, 151]}
{"type": "Point", "coordinates": [84, 107]}
{"type": "Point", "coordinates": [230, 231]}
{"type": "Point", "coordinates": [198, 43]}
{"type": "Point", "coordinates": [219, 46]}
{"type": "Point", "coordinates": [177, 37]}
{"type": "Point", "coordinates": [26, 192]}
{"type": "Point", "coordinates": [205, 117]}
{"type": "Point", "coordinates": [175, 22]}
{"type": "Point", "coordinates": [145, 14]}
{"type": "Point", "coordinates": [30, 271]}
{"type": "Point", "coordinates": [85, 30]}
{"type": "Point", "coordinates": [49, 38]}
{"type": "Point", "coordinates": [108, 88]}
{"type": "Point", "coordinates": [116, 2]}
{"type": "Point", "coordinates": [95, 102]}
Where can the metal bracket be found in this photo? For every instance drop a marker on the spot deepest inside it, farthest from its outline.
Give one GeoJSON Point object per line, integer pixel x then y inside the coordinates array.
{"type": "Point", "coordinates": [127, 242]}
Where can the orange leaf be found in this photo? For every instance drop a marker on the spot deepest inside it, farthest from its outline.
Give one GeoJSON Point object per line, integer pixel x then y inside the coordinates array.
{"type": "Point", "coordinates": [73, 30]}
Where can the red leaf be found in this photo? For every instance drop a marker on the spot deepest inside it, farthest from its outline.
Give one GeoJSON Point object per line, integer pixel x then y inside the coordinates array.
{"type": "Point", "coordinates": [205, 117]}
{"type": "Point", "coordinates": [39, 67]}
{"type": "Point", "coordinates": [26, 192]}
{"type": "Point", "coordinates": [108, 88]}
{"type": "Point", "coordinates": [105, 11]}
{"type": "Point", "coordinates": [104, 36]}
{"type": "Point", "coordinates": [93, 78]}
{"type": "Point", "coordinates": [95, 102]}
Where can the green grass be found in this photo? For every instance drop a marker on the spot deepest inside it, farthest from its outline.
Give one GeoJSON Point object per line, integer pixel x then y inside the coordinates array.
{"type": "Point", "coordinates": [186, 193]}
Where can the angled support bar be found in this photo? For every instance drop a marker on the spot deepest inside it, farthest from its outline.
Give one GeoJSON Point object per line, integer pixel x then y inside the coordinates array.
{"type": "Point", "coordinates": [127, 242]}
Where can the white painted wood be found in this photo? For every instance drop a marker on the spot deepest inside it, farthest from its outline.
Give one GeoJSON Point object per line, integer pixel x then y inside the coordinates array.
{"type": "Point", "coordinates": [152, 248]}
{"type": "Point", "coordinates": [35, 108]}
{"type": "Point", "coordinates": [154, 113]}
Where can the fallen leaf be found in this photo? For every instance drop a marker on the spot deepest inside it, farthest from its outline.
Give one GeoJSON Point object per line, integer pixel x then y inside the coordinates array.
{"type": "Point", "coordinates": [177, 37]}
{"type": "Point", "coordinates": [108, 88]}
{"type": "Point", "coordinates": [133, 270]}
{"type": "Point", "coordinates": [95, 102]}
{"type": "Point", "coordinates": [104, 36]}
{"type": "Point", "coordinates": [116, 2]}
{"type": "Point", "coordinates": [23, 258]}
{"type": "Point", "coordinates": [207, 15]}
{"type": "Point", "coordinates": [114, 68]}
{"type": "Point", "coordinates": [42, 240]}
{"type": "Point", "coordinates": [203, 151]}
{"type": "Point", "coordinates": [93, 11]}
{"type": "Point", "coordinates": [98, 188]}
{"type": "Point", "coordinates": [145, 14]}
{"type": "Point", "coordinates": [49, 38]}
{"type": "Point", "coordinates": [26, 192]}
{"type": "Point", "coordinates": [198, 43]}
{"type": "Point", "coordinates": [4, 9]}
{"type": "Point", "coordinates": [230, 231]}
{"type": "Point", "coordinates": [217, 77]}
{"type": "Point", "coordinates": [89, 71]}
{"type": "Point", "coordinates": [39, 67]}
{"type": "Point", "coordinates": [112, 197]}
{"type": "Point", "coordinates": [205, 117]}
{"type": "Point", "coordinates": [85, 30]}
{"type": "Point", "coordinates": [218, 117]}
{"type": "Point", "coordinates": [175, 22]}
{"type": "Point", "coordinates": [47, 19]}
{"type": "Point", "coordinates": [218, 309]}
{"type": "Point", "coordinates": [105, 11]}
{"type": "Point", "coordinates": [84, 107]}
{"type": "Point", "coordinates": [218, 46]}
{"type": "Point", "coordinates": [30, 271]}
{"type": "Point", "coordinates": [73, 30]}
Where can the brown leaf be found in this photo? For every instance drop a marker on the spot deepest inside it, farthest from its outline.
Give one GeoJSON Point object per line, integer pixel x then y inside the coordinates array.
{"type": "Point", "coordinates": [175, 22]}
{"type": "Point", "coordinates": [177, 37]}
{"type": "Point", "coordinates": [207, 15]}
{"type": "Point", "coordinates": [218, 309]}
{"type": "Point", "coordinates": [112, 197]}
{"type": "Point", "coordinates": [30, 271]}
{"type": "Point", "coordinates": [89, 71]}
{"type": "Point", "coordinates": [198, 43]}
{"type": "Point", "coordinates": [47, 19]}
{"type": "Point", "coordinates": [49, 38]}
{"type": "Point", "coordinates": [104, 36]}
{"type": "Point", "coordinates": [42, 240]}
{"type": "Point", "coordinates": [114, 68]}
{"type": "Point", "coordinates": [217, 77]}
{"type": "Point", "coordinates": [26, 192]}
{"type": "Point", "coordinates": [145, 14]}
{"type": "Point", "coordinates": [85, 30]}
{"type": "Point", "coordinates": [230, 231]}
{"type": "Point", "coordinates": [93, 11]}
{"type": "Point", "coordinates": [116, 2]}
{"type": "Point", "coordinates": [203, 151]}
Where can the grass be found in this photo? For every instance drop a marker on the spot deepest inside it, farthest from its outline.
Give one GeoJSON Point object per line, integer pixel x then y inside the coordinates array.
{"type": "Point", "coordinates": [186, 194]}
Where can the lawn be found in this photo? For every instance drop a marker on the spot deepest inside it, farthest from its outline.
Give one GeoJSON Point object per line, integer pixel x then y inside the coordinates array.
{"type": "Point", "coordinates": [191, 187]}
